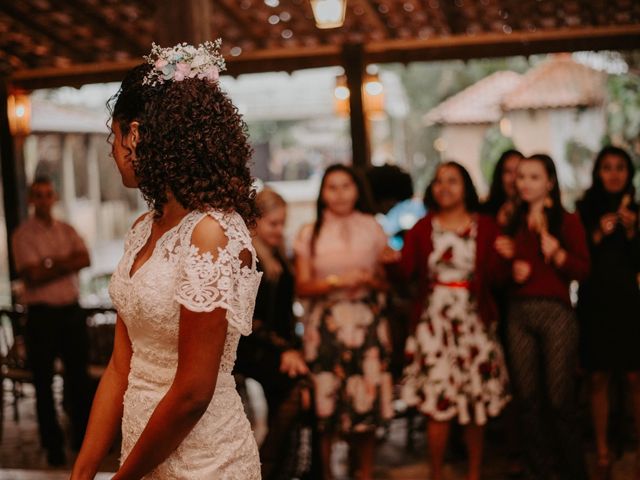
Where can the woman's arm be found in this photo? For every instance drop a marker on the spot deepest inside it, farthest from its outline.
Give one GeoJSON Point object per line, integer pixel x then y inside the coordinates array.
{"type": "Point", "coordinates": [106, 412]}
{"type": "Point", "coordinates": [405, 267]}
{"type": "Point", "coordinates": [200, 347]}
{"type": "Point", "coordinates": [308, 286]}
{"type": "Point", "coordinates": [500, 252]}
{"type": "Point", "coordinates": [573, 260]}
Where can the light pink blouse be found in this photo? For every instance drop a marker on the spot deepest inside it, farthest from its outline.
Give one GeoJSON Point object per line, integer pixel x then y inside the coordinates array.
{"type": "Point", "coordinates": [345, 243]}
{"type": "Point", "coordinates": [33, 242]}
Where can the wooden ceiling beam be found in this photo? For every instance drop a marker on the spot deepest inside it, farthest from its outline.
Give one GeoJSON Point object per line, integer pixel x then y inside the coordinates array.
{"type": "Point", "coordinates": [184, 21]}
{"type": "Point", "coordinates": [289, 59]}
{"type": "Point", "coordinates": [486, 45]}
{"type": "Point", "coordinates": [36, 27]}
{"type": "Point", "coordinates": [404, 51]}
{"type": "Point", "coordinates": [230, 10]}
{"type": "Point", "coordinates": [73, 76]}
{"type": "Point", "coordinates": [454, 16]}
{"type": "Point", "coordinates": [373, 16]}
{"type": "Point", "coordinates": [120, 37]}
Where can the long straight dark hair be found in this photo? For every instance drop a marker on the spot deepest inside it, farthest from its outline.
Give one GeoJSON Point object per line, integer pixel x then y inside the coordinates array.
{"type": "Point", "coordinates": [497, 196]}
{"type": "Point", "coordinates": [554, 213]}
{"type": "Point", "coordinates": [471, 202]}
{"type": "Point", "coordinates": [363, 202]}
{"type": "Point", "coordinates": [596, 200]}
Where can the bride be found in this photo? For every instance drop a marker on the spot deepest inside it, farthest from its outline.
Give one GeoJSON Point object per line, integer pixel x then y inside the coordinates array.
{"type": "Point", "coordinates": [186, 285]}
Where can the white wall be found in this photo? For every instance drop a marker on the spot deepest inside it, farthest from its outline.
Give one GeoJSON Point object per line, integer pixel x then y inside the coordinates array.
{"type": "Point", "coordinates": [549, 131]}
{"type": "Point", "coordinates": [463, 143]}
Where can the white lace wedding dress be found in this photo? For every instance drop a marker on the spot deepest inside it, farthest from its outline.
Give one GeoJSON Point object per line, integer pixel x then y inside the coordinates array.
{"type": "Point", "coordinates": [221, 445]}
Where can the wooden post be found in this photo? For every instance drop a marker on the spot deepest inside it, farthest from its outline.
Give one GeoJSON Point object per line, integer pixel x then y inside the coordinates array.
{"type": "Point", "coordinates": [353, 62]}
{"type": "Point", "coordinates": [185, 21]}
{"type": "Point", "coordinates": [13, 179]}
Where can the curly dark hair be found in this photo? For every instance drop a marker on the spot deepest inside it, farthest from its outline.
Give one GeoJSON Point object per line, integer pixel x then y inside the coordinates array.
{"type": "Point", "coordinates": [193, 143]}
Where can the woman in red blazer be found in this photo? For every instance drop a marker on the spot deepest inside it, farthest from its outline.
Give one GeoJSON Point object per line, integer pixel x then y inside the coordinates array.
{"type": "Point", "coordinates": [456, 367]}
{"type": "Point", "coordinates": [548, 249]}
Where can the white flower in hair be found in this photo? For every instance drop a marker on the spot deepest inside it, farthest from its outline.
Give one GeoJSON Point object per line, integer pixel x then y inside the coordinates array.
{"type": "Point", "coordinates": [184, 61]}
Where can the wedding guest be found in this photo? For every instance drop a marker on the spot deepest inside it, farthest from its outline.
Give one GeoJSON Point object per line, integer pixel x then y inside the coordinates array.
{"type": "Point", "coordinates": [392, 190]}
{"type": "Point", "coordinates": [456, 369]}
{"type": "Point", "coordinates": [48, 255]}
{"type": "Point", "coordinates": [501, 204]}
{"type": "Point", "coordinates": [502, 199]}
{"type": "Point", "coordinates": [548, 250]}
{"type": "Point", "coordinates": [609, 299]}
{"type": "Point", "coordinates": [346, 341]}
{"type": "Point", "coordinates": [271, 355]}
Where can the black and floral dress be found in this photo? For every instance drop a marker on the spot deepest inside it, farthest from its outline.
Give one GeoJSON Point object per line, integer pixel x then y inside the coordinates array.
{"type": "Point", "coordinates": [455, 365]}
{"type": "Point", "coordinates": [346, 337]}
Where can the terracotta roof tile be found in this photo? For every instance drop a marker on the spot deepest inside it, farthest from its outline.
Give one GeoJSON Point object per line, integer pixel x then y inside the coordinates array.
{"type": "Point", "coordinates": [478, 103]}
{"type": "Point", "coordinates": [556, 83]}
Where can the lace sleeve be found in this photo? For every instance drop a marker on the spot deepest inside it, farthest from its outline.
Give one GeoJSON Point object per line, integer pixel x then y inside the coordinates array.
{"type": "Point", "coordinates": [215, 273]}
{"type": "Point", "coordinates": [136, 234]}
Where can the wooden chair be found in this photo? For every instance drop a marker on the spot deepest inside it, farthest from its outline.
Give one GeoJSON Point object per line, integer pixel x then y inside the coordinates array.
{"type": "Point", "coordinates": [14, 368]}
{"type": "Point", "coordinates": [14, 365]}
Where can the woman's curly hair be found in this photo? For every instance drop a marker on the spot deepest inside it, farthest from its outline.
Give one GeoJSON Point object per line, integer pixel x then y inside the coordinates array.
{"type": "Point", "coordinates": [193, 143]}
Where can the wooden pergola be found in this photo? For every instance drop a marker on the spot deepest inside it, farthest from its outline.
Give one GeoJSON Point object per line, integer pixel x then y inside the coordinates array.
{"type": "Point", "coordinates": [52, 43]}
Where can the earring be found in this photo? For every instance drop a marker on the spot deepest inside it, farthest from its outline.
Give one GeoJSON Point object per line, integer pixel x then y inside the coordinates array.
{"type": "Point", "coordinates": [548, 202]}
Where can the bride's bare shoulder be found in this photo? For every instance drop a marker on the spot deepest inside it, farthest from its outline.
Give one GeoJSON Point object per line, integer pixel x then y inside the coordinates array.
{"type": "Point", "coordinates": [208, 234]}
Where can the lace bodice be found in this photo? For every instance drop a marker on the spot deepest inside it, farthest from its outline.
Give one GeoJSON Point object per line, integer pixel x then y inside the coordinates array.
{"type": "Point", "coordinates": [149, 301]}
{"type": "Point", "coordinates": [177, 273]}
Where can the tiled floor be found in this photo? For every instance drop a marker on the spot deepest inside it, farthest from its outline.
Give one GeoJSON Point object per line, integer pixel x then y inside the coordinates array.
{"type": "Point", "coordinates": [42, 475]}
{"type": "Point", "coordinates": [22, 459]}
{"type": "Point", "coordinates": [20, 447]}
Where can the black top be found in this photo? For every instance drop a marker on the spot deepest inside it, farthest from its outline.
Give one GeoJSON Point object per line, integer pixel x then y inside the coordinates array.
{"type": "Point", "coordinates": [273, 325]}
{"type": "Point", "coordinates": [609, 299]}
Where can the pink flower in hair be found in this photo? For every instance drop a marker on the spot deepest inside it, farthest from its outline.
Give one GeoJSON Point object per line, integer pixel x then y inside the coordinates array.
{"type": "Point", "coordinates": [212, 74]}
{"type": "Point", "coordinates": [182, 71]}
{"type": "Point", "coordinates": [184, 61]}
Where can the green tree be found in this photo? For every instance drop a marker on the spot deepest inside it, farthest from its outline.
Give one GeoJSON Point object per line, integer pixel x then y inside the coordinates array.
{"type": "Point", "coordinates": [427, 84]}
{"type": "Point", "coordinates": [623, 115]}
{"type": "Point", "coordinates": [495, 143]}
{"type": "Point", "coordinates": [623, 111]}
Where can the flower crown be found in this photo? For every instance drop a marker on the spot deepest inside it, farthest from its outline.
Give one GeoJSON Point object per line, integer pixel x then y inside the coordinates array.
{"type": "Point", "coordinates": [184, 61]}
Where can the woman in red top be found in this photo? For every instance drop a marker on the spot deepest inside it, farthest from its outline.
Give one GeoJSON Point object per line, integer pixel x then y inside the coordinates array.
{"type": "Point", "coordinates": [500, 205]}
{"type": "Point", "coordinates": [456, 367]}
{"type": "Point", "coordinates": [548, 248]}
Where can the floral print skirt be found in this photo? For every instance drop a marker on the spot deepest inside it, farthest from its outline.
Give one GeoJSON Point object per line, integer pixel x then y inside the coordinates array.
{"type": "Point", "coordinates": [455, 365]}
{"type": "Point", "coordinates": [347, 347]}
